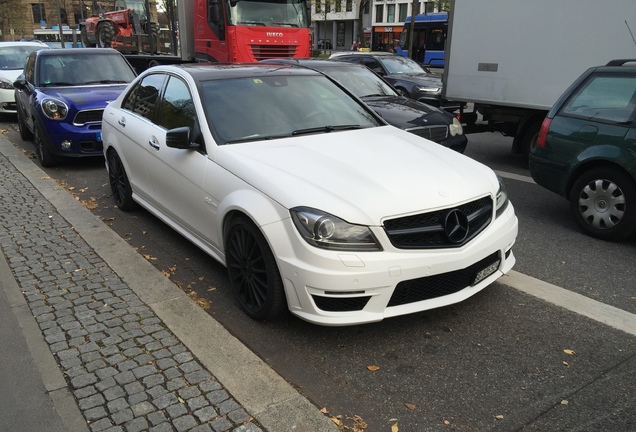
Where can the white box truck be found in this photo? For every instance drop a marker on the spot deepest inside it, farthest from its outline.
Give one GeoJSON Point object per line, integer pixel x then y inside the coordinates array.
{"type": "Point", "coordinates": [512, 59]}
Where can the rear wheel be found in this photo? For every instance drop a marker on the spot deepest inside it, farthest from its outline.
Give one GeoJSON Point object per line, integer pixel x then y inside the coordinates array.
{"type": "Point", "coordinates": [603, 203]}
{"type": "Point", "coordinates": [253, 271]}
{"type": "Point", "coordinates": [106, 34]}
{"type": "Point", "coordinates": [42, 151]}
{"type": "Point", "coordinates": [84, 38]}
{"type": "Point", "coordinates": [119, 184]}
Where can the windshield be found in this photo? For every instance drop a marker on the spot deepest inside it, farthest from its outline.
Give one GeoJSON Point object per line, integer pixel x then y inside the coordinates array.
{"type": "Point", "coordinates": [267, 107]}
{"type": "Point", "coordinates": [359, 81]}
{"type": "Point", "coordinates": [277, 13]}
{"type": "Point", "coordinates": [137, 5]}
{"type": "Point", "coordinates": [81, 69]}
{"type": "Point", "coordinates": [14, 57]}
{"type": "Point", "coordinates": [402, 65]}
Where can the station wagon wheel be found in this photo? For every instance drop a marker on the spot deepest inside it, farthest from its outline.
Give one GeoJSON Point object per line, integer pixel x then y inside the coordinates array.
{"type": "Point", "coordinates": [25, 133]}
{"type": "Point", "coordinates": [253, 271]}
{"type": "Point", "coordinates": [42, 152]}
{"type": "Point", "coordinates": [119, 184]}
{"type": "Point", "coordinates": [603, 202]}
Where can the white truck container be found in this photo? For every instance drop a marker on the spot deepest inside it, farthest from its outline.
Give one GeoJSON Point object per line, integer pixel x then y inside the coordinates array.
{"type": "Point", "coordinates": [512, 59]}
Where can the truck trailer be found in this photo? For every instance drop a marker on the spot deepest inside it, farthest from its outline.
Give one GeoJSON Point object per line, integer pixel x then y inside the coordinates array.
{"type": "Point", "coordinates": [512, 59]}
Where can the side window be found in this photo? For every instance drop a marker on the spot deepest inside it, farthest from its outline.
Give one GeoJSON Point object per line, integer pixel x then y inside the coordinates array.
{"type": "Point", "coordinates": [374, 65]}
{"type": "Point", "coordinates": [146, 96]}
{"type": "Point", "coordinates": [129, 100]}
{"type": "Point", "coordinates": [177, 108]}
{"type": "Point", "coordinates": [29, 69]}
{"type": "Point", "coordinates": [609, 98]}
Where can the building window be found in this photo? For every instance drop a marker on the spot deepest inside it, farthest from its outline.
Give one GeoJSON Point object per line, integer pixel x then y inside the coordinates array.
{"type": "Point", "coordinates": [39, 13]}
{"type": "Point", "coordinates": [379, 13]}
{"type": "Point", "coordinates": [403, 11]}
{"type": "Point", "coordinates": [350, 5]}
{"type": "Point", "coordinates": [327, 6]}
{"type": "Point", "coordinates": [429, 7]}
{"type": "Point", "coordinates": [390, 13]}
{"type": "Point", "coordinates": [338, 5]}
{"type": "Point", "coordinates": [366, 8]}
{"type": "Point", "coordinates": [318, 7]}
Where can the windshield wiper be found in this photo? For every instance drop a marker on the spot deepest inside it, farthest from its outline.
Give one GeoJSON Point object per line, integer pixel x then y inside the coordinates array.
{"type": "Point", "coordinates": [254, 23]}
{"type": "Point", "coordinates": [325, 129]}
{"type": "Point", "coordinates": [57, 84]}
{"type": "Point", "coordinates": [257, 138]}
{"type": "Point", "coordinates": [285, 24]}
{"type": "Point", "coordinates": [106, 82]}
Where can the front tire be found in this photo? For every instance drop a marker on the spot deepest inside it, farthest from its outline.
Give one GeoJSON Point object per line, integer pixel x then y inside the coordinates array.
{"type": "Point", "coordinates": [84, 38]}
{"type": "Point", "coordinates": [25, 133]}
{"type": "Point", "coordinates": [106, 34]}
{"type": "Point", "coordinates": [603, 203]}
{"type": "Point", "coordinates": [253, 272]}
{"type": "Point", "coordinates": [119, 184]}
{"type": "Point", "coordinates": [403, 92]}
{"type": "Point", "coordinates": [42, 151]}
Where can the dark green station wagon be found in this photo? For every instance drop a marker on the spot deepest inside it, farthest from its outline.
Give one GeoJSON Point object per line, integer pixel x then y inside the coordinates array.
{"type": "Point", "coordinates": [586, 150]}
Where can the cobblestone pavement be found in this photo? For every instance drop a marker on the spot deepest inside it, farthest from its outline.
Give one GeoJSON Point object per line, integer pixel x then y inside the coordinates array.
{"type": "Point", "coordinates": [127, 371]}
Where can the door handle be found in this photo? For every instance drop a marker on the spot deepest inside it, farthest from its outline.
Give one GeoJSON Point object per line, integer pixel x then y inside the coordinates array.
{"type": "Point", "coordinates": [122, 122]}
{"type": "Point", "coordinates": [153, 143]}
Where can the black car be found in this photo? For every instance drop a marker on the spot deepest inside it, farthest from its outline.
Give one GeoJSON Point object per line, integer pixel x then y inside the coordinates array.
{"type": "Point", "coordinates": [409, 78]}
{"type": "Point", "coordinates": [416, 117]}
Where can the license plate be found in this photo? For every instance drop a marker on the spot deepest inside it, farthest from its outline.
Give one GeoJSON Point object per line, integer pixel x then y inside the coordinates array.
{"type": "Point", "coordinates": [99, 136]}
{"type": "Point", "coordinates": [483, 274]}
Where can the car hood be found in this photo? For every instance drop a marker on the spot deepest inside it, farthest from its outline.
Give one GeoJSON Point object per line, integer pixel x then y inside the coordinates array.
{"type": "Point", "coordinates": [407, 113]}
{"type": "Point", "coordinates": [361, 176]}
{"type": "Point", "coordinates": [10, 74]}
{"type": "Point", "coordinates": [91, 97]}
{"type": "Point", "coordinates": [422, 79]}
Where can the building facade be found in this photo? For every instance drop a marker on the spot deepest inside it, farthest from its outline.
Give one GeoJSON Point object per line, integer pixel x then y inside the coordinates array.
{"type": "Point", "coordinates": [382, 21]}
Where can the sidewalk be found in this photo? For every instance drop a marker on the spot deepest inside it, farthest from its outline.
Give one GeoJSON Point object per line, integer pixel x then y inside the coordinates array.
{"type": "Point", "coordinates": [105, 342]}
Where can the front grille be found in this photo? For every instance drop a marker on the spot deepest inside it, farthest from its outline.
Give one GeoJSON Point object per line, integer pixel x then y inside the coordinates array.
{"type": "Point", "coordinates": [262, 52]}
{"type": "Point", "coordinates": [88, 116]}
{"type": "Point", "coordinates": [433, 133]}
{"type": "Point", "coordinates": [426, 288]}
{"type": "Point", "coordinates": [426, 230]}
{"type": "Point", "coordinates": [340, 304]}
{"type": "Point", "coordinates": [91, 146]}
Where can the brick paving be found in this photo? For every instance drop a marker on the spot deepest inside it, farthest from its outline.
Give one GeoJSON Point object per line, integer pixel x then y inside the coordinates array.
{"type": "Point", "coordinates": [127, 371]}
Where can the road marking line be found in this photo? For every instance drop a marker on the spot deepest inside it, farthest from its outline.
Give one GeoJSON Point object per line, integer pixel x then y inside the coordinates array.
{"type": "Point", "coordinates": [601, 312]}
{"type": "Point", "coordinates": [513, 176]}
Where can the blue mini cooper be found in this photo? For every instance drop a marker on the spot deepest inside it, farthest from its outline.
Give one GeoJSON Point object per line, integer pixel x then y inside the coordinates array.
{"type": "Point", "coordinates": [61, 97]}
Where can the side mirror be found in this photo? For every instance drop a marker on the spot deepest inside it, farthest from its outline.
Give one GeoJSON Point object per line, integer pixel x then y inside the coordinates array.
{"type": "Point", "coordinates": [20, 83]}
{"type": "Point", "coordinates": [179, 138]}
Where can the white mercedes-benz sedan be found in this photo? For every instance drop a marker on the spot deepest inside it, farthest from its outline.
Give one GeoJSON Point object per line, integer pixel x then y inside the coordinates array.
{"type": "Point", "coordinates": [312, 202]}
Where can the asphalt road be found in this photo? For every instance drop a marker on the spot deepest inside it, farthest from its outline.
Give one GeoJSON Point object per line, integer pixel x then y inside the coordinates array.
{"type": "Point", "coordinates": [503, 360]}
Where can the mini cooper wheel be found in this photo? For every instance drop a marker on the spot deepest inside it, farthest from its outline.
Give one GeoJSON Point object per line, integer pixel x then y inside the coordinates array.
{"type": "Point", "coordinates": [253, 271]}
{"type": "Point", "coordinates": [25, 133]}
{"type": "Point", "coordinates": [119, 184]}
{"type": "Point", "coordinates": [603, 202]}
{"type": "Point", "coordinates": [42, 151]}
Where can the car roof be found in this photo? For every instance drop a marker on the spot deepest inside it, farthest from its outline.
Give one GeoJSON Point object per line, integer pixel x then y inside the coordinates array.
{"type": "Point", "coordinates": [313, 62]}
{"type": "Point", "coordinates": [76, 51]}
{"type": "Point", "coordinates": [369, 53]}
{"type": "Point", "coordinates": [211, 71]}
{"type": "Point", "coordinates": [25, 43]}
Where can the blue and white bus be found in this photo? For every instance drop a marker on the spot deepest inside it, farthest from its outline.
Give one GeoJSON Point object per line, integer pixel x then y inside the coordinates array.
{"type": "Point", "coordinates": [429, 34]}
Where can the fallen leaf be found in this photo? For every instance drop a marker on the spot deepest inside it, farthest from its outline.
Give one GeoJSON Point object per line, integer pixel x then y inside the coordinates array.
{"type": "Point", "coordinates": [394, 428]}
{"type": "Point", "coordinates": [324, 411]}
{"type": "Point", "coordinates": [373, 368]}
{"type": "Point", "coordinates": [569, 351]}
{"type": "Point", "coordinates": [180, 400]}
{"type": "Point", "coordinates": [336, 421]}
{"type": "Point", "coordinates": [564, 402]}
{"type": "Point", "coordinates": [499, 417]}
{"type": "Point", "coordinates": [446, 422]}
{"type": "Point", "coordinates": [71, 188]}
{"type": "Point", "coordinates": [165, 273]}
{"type": "Point", "coordinates": [410, 406]}
{"type": "Point", "coordinates": [150, 258]}
{"type": "Point", "coordinates": [566, 364]}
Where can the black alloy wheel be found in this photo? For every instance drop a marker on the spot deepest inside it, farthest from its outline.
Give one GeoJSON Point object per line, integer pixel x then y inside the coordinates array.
{"type": "Point", "coordinates": [603, 203]}
{"type": "Point", "coordinates": [119, 184]}
{"type": "Point", "coordinates": [25, 133]}
{"type": "Point", "coordinates": [253, 271]}
{"type": "Point", "coordinates": [42, 151]}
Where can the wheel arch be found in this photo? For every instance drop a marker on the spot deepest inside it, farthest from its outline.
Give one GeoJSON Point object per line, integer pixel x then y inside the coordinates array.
{"type": "Point", "coordinates": [592, 161]}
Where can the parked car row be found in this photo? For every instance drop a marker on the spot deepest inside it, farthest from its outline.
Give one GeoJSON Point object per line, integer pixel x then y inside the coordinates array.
{"type": "Point", "coordinates": [12, 58]}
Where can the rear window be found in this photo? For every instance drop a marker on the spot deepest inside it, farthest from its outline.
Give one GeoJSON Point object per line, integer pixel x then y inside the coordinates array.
{"type": "Point", "coordinates": [610, 98]}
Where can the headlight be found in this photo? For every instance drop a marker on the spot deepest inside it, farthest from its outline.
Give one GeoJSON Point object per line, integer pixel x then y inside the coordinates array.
{"type": "Point", "coordinates": [327, 231]}
{"type": "Point", "coordinates": [428, 89]}
{"type": "Point", "coordinates": [455, 128]}
{"type": "Point", "coordinates": [5, 84]}
{"type": "Point", "coordinates": [501, 201]}
{"type": "Point", "coordinates": [54, 109]}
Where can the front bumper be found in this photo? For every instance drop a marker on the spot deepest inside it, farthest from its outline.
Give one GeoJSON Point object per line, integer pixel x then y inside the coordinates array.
{"type": "Point", "coordinates": [7, 102]}
{"type": "Point", "coordinates": [84, 140]}
{"type": "Point", "coordinates": [344, 288]}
